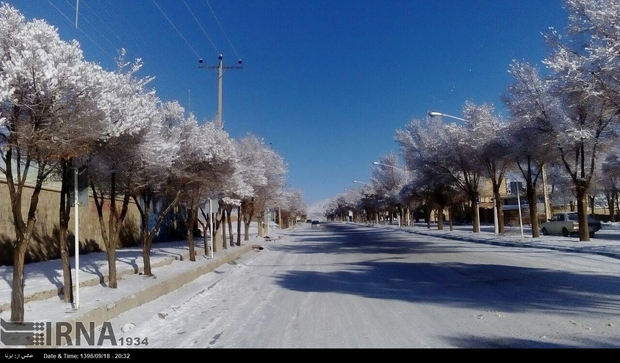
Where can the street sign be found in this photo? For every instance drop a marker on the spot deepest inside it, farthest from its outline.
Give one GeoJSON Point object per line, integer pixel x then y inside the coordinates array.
{"type": "Point", "coordinates": [82, 187]}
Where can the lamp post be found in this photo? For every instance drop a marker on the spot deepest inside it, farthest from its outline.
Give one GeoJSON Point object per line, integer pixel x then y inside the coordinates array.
{"type": "Point", "coordinates": [406, 182]}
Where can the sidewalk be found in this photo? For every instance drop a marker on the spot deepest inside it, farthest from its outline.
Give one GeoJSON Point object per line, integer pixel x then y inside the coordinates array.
{"type": "Point", "coordinates": [605, 243]}
{"type": "Point", "coordinates": [96, 302]}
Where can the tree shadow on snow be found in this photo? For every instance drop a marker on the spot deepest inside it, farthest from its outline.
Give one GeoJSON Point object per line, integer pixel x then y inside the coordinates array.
{"type": "Point", "coordinates": [389, 268]}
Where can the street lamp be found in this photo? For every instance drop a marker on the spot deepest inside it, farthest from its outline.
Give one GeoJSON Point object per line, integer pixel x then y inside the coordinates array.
{"type": "Point", "coordinates": [435, 114]}
{"type": "Point", "coordinates": [397, 168]}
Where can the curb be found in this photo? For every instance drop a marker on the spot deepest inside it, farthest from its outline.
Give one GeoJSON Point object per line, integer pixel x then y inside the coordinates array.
{"type": "Point", "coordinates": [108, 310]}
{"type": "Point", "coordinates": [92, 281]}
{"type": "Point", "coordinates": [530, 244]}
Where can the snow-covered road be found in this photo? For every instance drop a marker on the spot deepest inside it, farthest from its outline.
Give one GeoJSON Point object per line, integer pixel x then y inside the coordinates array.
{"type": "Point", "coordinates": [346, 286]}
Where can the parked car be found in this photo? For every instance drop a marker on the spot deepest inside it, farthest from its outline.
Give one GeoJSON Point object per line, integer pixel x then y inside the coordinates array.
{"type": "Point", "coordinates": [309, 221]}
{"type": "Point", "coordinates": [316, 224]}
{"type": "Point", "coordinates": [567, 224]}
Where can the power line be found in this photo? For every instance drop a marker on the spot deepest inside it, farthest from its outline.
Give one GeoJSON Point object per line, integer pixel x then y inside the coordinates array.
{"type": "Point", "coordinates": [109, 26]}
{"type": "Point", "coordinates": [86, 35]}
{"type": "Point", "coordinates": [177, 30]}
{"type": "Point", "coordinates": [222, 28]}
{"type": "Point", "coordinates": [104, 23]}
{"type": "Point", "coordinates": [94, 27]}
{"type": "Point", "coordinates": [197, 22]}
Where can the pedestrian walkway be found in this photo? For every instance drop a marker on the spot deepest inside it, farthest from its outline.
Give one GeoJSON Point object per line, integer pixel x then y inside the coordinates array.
{"type": "Point", "coordinates": [605, 243]}
{"type": "Point", "coordinates": [95, 302]}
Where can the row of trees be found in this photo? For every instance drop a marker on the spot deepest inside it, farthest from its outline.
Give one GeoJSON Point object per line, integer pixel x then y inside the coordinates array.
{"type": "Point", "coordinates": [60, 112]}
{"type": "Point", "coordinates": [563, 123]}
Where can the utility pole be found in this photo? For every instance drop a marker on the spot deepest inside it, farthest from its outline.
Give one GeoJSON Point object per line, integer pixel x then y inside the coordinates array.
{"type": "Point", "coordinates": [220, 68]}
{"type": "Point", "coordinates": [546, 193]}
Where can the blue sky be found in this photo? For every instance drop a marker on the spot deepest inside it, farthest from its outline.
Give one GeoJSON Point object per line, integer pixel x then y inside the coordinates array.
{"type": "Point", "coordinates": [325, 83]}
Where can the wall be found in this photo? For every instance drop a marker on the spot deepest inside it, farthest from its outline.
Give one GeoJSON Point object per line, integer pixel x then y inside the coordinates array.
{"type": "Point", "coordinates": [44, 244]}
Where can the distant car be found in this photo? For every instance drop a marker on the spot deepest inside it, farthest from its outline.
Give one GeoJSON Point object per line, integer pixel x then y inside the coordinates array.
{"type": "Point", "coordinates": [309, 221]}
{"type": "Point", "coordinates": [567, 224]}
{"type": "Point", "coordinates": [316, 224]}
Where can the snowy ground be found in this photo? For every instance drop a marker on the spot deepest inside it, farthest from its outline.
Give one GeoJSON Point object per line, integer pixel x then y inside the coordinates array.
{"type": "Point", "coordinates": [220, 299]}
{"type": "Point", "coordinates": [312, 291]}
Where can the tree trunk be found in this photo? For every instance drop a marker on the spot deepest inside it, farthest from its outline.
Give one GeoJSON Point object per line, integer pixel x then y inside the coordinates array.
{"type": "Point", "coordinates": [115, 222]}
{"type": "Point", "coordinates": [610, 205]}
{"type": "Point", "coordinates": [17, 291]}
{"type": "Point", "coordinates": [147, 235]}
{"type": "Point", "coordinates": [582, 194]}
{"type": "Point", "coordinates": [440, 210]}
{"type": "Point", "coordinates": [190, 231]}
{"type": "Point", "coordinates": [63, 226]}
{"type": "Point", "coordinates": [239, 226]}
{"type": "Point", "coordinates": [23, 233]}
{"type": "Point", "coordinates": [223, 226]}
{"type": "Point", "coordinates": [217, 236]}
{"type": "Point", "coordinates": [230, 227]}
{"type": "Point", "coordinates": [247, 221]}
{"type": "Point", "coordinates": [474, 212]}
{"type": "Point", "coordinates": [144, 233]}
{"type": "Point", "coordinates": [111, 249]}
{"type": "Point", "coordinates": [427, 215]}
{"type": "Point", "coordinates": [497, 198]}
{"type": "Point", "coordinates": [206, 228]}
{"type": "Point", "coordinates": [247, 206]}
{"type": "Point", "coordinates": [532, 200]}
{"type": "Point", "coordinates": [612, 210]}
{"type": "Point", "coordinates": [261, 224]}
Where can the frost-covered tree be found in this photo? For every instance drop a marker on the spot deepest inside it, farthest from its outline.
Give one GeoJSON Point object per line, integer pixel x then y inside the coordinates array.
{"type": "Point", "coordinates": [343, 203]}
{"type": "Point", "coordinates": [46, 95]}
{"type": "Point", "coordinates": [364, 202]}
{"type": "Point", "coordinates": [611, 181]}
{"type": "Point", "coordinates": [449, 149]}
{"type": "Point", "coordinates": [587, 54]}
{"type": "Point", "coordinates": [253, 171]}
{"type": "Point", "coordinates": [530, 134]}
{"type": "Point", "coordinates": [152, 186]}
{"type": "Point", "coordinates": [292, 206]}
{"type": "Point", "coordinates": [267, 194]}
{"type": "Point", "coordinates": [462, 161]}
{"type": "Point", "coordinates": [586, 66]}
{"type": "Point", "coordinates": [128, 109]}
{"type": "Point", "coordinates": [74, 138]}
{"type": "Point", "coordinates": [206, 160]}
{"type": "Point", "coordinates": [420, 142]}
{"type": "Point", "coordinates": [234, 191]}
{"type": "Point", "coordinates": [434, 189]}
{"type": "Point", "coordinates": [389, 179]}
{"type": "Point", "coordinates": [488, 134]}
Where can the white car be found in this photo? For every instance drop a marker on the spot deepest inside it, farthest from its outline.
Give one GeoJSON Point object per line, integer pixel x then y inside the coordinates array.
{"type": "Point", "coordinates": [567, 224]}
